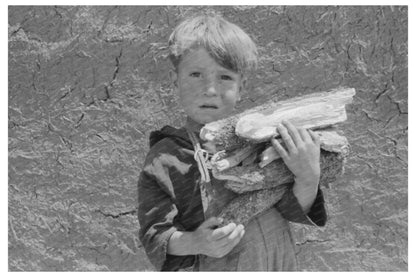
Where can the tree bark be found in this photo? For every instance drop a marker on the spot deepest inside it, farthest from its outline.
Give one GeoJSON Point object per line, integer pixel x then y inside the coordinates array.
{"type": "Point", "coordinates": [253, 169]}
{"type": "Point", "coordinates": [252, 177]}
{"type": "Point", "coordinates": [258, 124]}
{"type": "Point", "coordinates": [255, 200]}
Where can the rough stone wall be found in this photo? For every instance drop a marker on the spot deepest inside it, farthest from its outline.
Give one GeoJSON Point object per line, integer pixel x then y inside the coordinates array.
{"type": "Point", "coordinates": [88, 84]}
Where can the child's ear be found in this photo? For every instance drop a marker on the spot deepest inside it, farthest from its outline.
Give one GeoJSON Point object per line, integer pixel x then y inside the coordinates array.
{"type": "Point", "coordinates": [173, 77]}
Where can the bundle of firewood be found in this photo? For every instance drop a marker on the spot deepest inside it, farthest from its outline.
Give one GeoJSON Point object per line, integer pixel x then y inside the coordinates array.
{"type": "Point", "coordinates": [251, 166]}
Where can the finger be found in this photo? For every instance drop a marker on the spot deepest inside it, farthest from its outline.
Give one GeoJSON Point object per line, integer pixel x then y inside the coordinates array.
{"type": "Point", "coordinates": [306, 137]}
{"type": "Point", "coordinates": [223, 231]}
{"type": "Point", "coordinates": [316, 139]}
{"type": "Point", "coordinates": [279, 148]}
{"type": "Point", "coordinates": [237, 238]}
{"type": "Point", "coordinates": [231, 240]}
{"type": "Point", "coordinates": [293, 131]}
{"type": "Point", "coordinates": [236, 233]}
{"type": "Point", "coordinates": [287, 139]}
{"type": "Point", "coordinates": [211, 223]}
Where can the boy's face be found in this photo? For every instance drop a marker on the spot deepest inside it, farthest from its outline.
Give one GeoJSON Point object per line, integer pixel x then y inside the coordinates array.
{"type": "Point", "coordinates": [207, 90]}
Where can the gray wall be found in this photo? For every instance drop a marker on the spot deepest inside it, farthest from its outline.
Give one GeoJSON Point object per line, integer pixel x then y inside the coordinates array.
{"type": "Point", "coordinates": [88, 84]}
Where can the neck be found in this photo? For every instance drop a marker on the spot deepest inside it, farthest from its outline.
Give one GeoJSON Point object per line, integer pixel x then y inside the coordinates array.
{"type": "Point", "coordinates": [192, 125]}
{"type": "Point", "coordinates": [196, 128]}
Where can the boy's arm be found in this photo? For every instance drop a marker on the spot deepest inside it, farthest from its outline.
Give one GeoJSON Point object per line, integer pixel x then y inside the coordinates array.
{"type": "Point", "coordinates": [167, 244]}
{"type": "Point", "coordinates": [181, 243]}
{"type": "Point", "coordinates": [305, 193]}
{"type": "Point", "coordinates": [207, 239]}
{"type": "Point", "coordinates": [291, 209]}
{"type": "Point", "coordinates": [300, 153]}
{"type": "Point", "coordinates": [156, 213]}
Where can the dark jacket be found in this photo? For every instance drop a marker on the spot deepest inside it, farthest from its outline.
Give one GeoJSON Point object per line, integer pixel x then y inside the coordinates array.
{"type": "Point", "coordinates": [169, 198]}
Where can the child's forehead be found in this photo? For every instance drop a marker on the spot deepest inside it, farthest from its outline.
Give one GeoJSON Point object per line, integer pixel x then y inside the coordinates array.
{"type": "Point", "coordinates": [200, 58]}
{"type": "Point", "coordinates": [195, 55]}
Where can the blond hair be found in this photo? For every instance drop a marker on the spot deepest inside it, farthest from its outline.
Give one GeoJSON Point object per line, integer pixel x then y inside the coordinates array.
{"type": "Point", "coordinates": [227, 43]}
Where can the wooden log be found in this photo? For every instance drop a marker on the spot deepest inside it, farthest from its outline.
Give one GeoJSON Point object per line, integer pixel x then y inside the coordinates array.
{"type": "Point", "coordinates": [249, 204]}
{"type": "Point", "coordinates": [330, 141]}
{"type": "Point", "coordinates": [234, 158]}
{"type": "Point", "coordinates": [246, 206]}
{"type": "Point", "coordinates": [259, 123]}
{"type": "Point", "coordinates": [260, 182]}
{"type": "Point", "coordinates": [252, 177]}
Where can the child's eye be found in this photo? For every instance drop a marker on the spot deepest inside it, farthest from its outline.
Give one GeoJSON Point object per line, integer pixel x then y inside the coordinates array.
{"type": "Point", "coordinates": [226, 77]}
{"type": "Point", "coordinates": [195, 74]}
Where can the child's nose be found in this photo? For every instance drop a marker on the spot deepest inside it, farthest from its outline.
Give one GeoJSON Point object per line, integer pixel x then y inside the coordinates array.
{"type": "Point", "coordinates": [210, 89]}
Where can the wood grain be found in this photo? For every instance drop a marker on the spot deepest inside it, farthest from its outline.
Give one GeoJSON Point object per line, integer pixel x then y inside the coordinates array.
{"type": "Point", "coordinates": [258, 124]}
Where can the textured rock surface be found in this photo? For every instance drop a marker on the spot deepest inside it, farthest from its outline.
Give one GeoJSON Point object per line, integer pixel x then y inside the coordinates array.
{"type": "Point", "coordinates": [88, 84]}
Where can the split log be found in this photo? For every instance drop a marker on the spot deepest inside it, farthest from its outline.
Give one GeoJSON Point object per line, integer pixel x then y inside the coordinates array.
{"type": "Point", "coordinates": [235, 158]}
{"type": "Point", "coordinates": [253, 169]}
{"type": "Point", "coordinates": [258, 124]}
{"type": "Point", "coordinates": [252, 177]}
{"type": "Point", "coordinates": [251, 203]}
{"type": "Point", "coordinates": [330, 141]}
{"type": "Point", "coordinates": [243, 208]}
{"type": "Point", "coordinates": [259, 189]}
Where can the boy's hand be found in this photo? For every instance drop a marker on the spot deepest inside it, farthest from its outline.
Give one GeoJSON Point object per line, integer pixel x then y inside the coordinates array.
{"type": "Point", "coordinates": [217, 242]}
{"type": "Point", "coordinates": [301, 154]}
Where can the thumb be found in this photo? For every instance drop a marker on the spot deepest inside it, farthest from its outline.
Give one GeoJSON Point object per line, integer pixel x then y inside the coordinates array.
{"type": "Point", "coordinates": [211, 222]}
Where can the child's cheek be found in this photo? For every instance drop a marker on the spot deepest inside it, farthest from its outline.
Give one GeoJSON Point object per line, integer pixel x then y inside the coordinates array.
{"type": "Point", "coordinates": [185, 86]}
{"type": "Point", "coordinates": [187, 92]}
{"type": "Point", "coordinates": [230, 97]}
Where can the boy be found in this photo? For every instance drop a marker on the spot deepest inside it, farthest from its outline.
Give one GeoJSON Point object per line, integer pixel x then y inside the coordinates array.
{"type": "Point", "coordinates": [211, 57]}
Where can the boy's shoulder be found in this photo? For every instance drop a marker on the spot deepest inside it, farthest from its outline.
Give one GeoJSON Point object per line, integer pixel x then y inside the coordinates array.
{"type": "Point", "coordinates": [168, 140]}
{"type": "Point", "coordinates": [164, 145]}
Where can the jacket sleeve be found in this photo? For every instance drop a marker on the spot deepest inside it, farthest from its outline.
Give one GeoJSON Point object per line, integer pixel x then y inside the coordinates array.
{"type": "Point", "coordinates": [291, 210]}
{"type": "Point", "coordinates": [156, 213]}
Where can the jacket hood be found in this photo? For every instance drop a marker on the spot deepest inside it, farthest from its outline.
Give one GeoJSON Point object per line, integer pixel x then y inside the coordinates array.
{"type": "Point", "coordinates": [168, 132]}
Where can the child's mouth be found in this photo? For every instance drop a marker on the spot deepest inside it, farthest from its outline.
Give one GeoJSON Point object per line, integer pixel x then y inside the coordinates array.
{"type": "Point", "coordinates": [207, 106]}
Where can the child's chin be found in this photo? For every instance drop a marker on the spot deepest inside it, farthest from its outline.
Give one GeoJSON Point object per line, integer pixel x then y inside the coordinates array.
{"type": "Point", "coordinates": [207, 120]}
{"type": "Point", "coordinates": [204, 121]}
